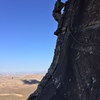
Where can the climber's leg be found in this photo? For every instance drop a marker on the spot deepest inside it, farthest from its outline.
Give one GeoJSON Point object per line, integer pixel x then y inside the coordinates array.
{"type": "Point", "coordinates": [57, 16]}
{"type": "Point", "coordinates": [58, 31]}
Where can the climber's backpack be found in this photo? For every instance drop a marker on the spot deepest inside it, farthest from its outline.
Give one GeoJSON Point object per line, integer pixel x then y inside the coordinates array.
{"type": "Point", "coordinates": [58, 6]}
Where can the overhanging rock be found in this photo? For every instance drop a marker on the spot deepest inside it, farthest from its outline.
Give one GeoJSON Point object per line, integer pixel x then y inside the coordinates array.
{"type": "Point", "coordinates": [75, 71]}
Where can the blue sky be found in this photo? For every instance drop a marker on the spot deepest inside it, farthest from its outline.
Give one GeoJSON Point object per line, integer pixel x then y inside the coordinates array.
{"type": "Point", "coordinates": [27, 42]}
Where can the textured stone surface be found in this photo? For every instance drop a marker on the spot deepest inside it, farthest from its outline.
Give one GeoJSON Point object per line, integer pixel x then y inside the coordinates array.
{"type": "Point", "coordinates": [75, 71]}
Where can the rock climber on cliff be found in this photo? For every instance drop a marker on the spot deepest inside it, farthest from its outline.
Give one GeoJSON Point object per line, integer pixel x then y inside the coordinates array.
{"type": "Point", "coordinates": [57, 11]}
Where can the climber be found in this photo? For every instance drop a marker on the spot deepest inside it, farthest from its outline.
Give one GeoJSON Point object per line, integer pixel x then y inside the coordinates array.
{"type": "Point", "coordinates": [61, 20]}
{"type": "Point", "coordinates": [57, 11]}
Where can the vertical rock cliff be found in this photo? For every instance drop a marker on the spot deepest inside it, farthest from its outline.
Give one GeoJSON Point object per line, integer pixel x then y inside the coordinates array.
{"type": "Point", "coordinates": [75, 71]}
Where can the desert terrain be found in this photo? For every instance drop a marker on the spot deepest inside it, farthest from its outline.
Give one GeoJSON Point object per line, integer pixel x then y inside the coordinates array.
{"type": "Point", "coordinates": [18, 87]}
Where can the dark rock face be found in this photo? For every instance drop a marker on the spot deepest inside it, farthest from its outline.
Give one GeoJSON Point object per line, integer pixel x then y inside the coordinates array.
{"type": "Point", "coordinates": [75, 71]}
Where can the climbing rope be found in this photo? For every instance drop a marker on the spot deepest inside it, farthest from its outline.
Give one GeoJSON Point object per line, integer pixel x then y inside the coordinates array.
{"type": "Point", "coordinates": [71, 31]}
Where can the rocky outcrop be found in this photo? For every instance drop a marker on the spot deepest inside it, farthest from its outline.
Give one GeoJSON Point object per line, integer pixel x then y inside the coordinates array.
{"type": "Point", "coordinates": [75, 71]}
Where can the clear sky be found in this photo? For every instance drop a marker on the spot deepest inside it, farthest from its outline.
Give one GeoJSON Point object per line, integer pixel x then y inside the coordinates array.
{"type": "Point", "coordinates": [27, 41]}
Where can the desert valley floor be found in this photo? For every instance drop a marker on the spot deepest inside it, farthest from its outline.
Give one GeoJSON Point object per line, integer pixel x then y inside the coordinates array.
{"type": "Point", "coordinates": [18, 87]}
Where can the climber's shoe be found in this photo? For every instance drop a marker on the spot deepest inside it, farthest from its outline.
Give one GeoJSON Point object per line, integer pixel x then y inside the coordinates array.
{"type": "Point", "coordinates": [57, 32]}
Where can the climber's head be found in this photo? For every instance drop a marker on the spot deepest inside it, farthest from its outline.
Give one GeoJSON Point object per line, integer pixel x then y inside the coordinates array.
{"type": "Point", "coordinates": [59, 0]}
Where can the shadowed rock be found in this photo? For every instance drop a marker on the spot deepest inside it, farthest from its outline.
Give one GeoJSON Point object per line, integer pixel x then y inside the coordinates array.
{"type": "Point", "coordinates": [75, 71]}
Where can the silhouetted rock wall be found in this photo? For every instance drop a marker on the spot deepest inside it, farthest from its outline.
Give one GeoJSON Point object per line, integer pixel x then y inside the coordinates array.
{"type": "Point", "coordinates": [75, 71]}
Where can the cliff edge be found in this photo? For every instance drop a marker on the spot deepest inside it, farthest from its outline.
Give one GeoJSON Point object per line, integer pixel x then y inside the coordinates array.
{"type": "Point", "coordinates": [75, 71]}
